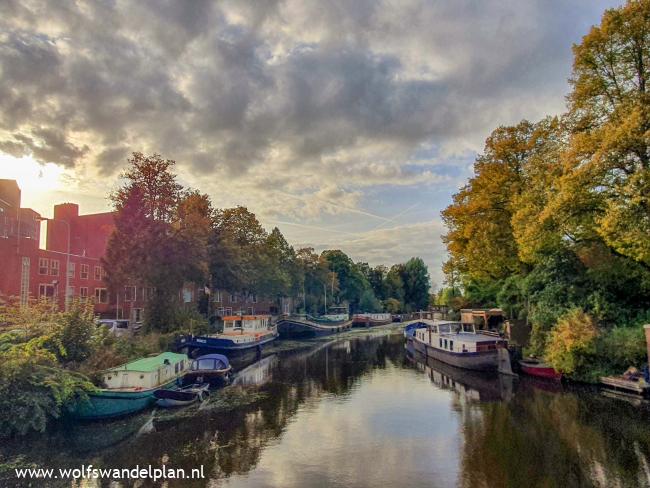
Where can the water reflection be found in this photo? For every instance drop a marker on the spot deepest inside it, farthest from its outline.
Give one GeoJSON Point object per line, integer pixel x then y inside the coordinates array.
{"type": "Point", "coordinates": [361, 412]}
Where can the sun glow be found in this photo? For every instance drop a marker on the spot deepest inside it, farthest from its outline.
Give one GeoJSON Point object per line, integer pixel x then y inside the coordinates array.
{"type": "Point", "coordinates": [32, 176]}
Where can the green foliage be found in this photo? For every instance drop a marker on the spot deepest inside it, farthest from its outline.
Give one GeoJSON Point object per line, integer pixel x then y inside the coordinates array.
{"type": "Point", "coordinates": [622, 347]}
{"type": "Point", "coordinates": [416, 284]}
{"type": "Point", "coordinates": [572, 344]}
{"type": "Point", "coordinates": [369, 303]}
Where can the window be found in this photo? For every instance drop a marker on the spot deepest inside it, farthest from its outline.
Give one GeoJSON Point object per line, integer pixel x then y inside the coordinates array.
{"type": "Point", "coordinates": [71, 270]}
{"type": "Point", "coordinates": [233, 298]}
{"type": "Point", "coordinates": [217, 296]}
{"type": "Point", "coordinates": [98, 273]}
{"type": "Point", "coordinates": [254, 297]}
{"type": "Point", "coordinates": [137, 315]}
{"type": "Point", "coordinates": [440, 342]}
{"type": "Point", "coordinates": [445, 343]}
{"type": "Point", "coordinates": [83, 273]}
{"type": "Point", "coordinates": [187, 295]}
{"type": "Point", "coordinates": [101, 295]}
{"type": "Point", "coordinates": [54, 267]}
{"type": "Point", "coordinates": [43, 266]}
{"type": "Point", "coordinates": [451, 345]}
{"type": "Point", "coordinates": [45, 290]}
{"type": "Point", "coordinates": [129, 293]}
{"type": "Point", "coordinates": [83, 292]}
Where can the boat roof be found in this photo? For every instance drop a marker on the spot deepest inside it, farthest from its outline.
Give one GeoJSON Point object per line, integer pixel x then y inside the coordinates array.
{"type": "Point", "coordinates": [150, 364]}
{"type": "Point", "coordinates": [469, 337]}
{"type": "Point", "coordinates": [219, 357]}
{"type": "Point", "coordinates": [447, 322]}
{"type": "Point", "coordinates": [246, 317]}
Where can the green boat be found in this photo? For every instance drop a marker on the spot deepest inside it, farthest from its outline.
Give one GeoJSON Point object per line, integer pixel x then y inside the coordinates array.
{"type": "Point", "coordinates": [130, 387]}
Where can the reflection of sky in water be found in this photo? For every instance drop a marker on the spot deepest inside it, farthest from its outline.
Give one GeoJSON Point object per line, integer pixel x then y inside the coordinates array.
{"type": "Point", "coordinates": [394, 429]}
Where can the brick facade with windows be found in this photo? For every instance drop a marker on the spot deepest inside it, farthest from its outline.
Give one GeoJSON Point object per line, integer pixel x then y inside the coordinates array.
{"type": "Point", "coordinates": [31, 272]}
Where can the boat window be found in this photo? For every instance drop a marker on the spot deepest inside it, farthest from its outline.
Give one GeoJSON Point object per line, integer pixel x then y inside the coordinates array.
{"type": "Point", "coordinates": [176, 368]}
{"type": "Point", "coordinates": [445, 343]}
{"type": "Point", "coordinates": [205, 364]}
{"type": "Point", "coordinates": [451, 345]}
{"type": "Point", "coordinates": [440, 342]}
{"type": "Point", "coordinates": [444, 329]}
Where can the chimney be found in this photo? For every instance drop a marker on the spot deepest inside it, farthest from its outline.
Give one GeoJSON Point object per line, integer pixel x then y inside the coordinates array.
{"type": "Point", "coordinates": [66, 211]}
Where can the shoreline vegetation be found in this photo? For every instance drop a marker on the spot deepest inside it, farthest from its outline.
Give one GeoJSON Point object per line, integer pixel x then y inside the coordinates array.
{"type": "Point", "coordinates": [165, 237]}
{"type": "Point", "coordinates": [554, 225]}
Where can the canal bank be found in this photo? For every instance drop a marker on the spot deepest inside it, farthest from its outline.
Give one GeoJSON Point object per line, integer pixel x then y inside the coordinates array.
{"type": "Point", "coordinates": [358, 411]}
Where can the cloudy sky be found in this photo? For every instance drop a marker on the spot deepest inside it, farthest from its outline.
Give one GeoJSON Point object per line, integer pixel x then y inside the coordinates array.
{"type": "Point", "coordinates": [348, 124]}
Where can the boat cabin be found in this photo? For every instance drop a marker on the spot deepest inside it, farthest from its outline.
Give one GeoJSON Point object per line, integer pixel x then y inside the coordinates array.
{"type": "Point", "coordinates": [458, 337]}
{"type": "Point", "coordinates": [146, 373]}
{"type": "Point", "coordinates": [337, 314]}
{"type": "Point", "coordinates": [246, 324]}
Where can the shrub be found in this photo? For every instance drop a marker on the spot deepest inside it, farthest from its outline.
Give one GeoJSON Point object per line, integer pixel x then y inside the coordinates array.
{"type": "Point", "coordinates": [622, 347]}
{"type": "Point", "coordinates": [571, 344]}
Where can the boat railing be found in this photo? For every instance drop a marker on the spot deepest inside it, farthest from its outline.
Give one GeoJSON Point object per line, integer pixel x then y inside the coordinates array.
{"type": "Point", "coordinates": [491, 333]}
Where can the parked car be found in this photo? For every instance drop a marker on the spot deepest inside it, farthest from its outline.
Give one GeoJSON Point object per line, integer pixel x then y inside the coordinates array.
{"type": "Point", "coordinates": [117, 327]}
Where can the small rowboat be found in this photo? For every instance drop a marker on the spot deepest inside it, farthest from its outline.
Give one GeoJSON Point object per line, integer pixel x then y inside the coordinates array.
{"type": "Point", "coordinates": [181, 396]}
{"type": "Point", "coordinates": [535, 367]}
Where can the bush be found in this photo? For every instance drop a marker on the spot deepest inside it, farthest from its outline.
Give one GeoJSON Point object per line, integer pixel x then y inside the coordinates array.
{"type": "Point", "coordinates": [571, 344]}
{"type": "Point", "coordinates": [34, 389]}
{"type": "Point", "coordinates": [622, 347]}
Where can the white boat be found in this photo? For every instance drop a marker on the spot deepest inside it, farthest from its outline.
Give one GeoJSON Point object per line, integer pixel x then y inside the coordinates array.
{"type": "Point", "coordinates": [459, 344]}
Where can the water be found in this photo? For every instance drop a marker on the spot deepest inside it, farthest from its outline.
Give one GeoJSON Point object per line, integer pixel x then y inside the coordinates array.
{"type": "Point", "coordinates": [360, 412]}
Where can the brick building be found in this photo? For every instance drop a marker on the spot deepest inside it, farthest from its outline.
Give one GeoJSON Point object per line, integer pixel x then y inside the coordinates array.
{"type": "Point", "coordinates": [71, 261]}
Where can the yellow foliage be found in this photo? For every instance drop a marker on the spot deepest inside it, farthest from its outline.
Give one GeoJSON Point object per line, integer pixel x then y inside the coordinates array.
{"type": "Point", "coordinates": [572, 341]}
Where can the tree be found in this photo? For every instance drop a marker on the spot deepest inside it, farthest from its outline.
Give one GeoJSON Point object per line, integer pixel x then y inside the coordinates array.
{"type": "Point", "coordinates": [315, 276]}
{"type": "Point", "coordinates": [352, 282]}
{"type": "Point", "coordinates": [605, 191]}
{"type": "Point", "coordinates": [416, 284]}
{"type": "Point", "coordinates": [149, 246]}
{"type": "Point", "coordinates": [394, 284]}
{"type": "Point", "coordinates": [369, 303]}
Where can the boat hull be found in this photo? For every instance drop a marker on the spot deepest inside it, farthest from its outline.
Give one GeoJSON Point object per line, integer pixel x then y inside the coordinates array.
{"type": "Point", "coordinates": [301, 328]}
{"type": "Point", "coordinates": [107, 404]}
{"type": "Point", "coordinates": [478, 361]}
{"type": "Point", "coordinates": [213, 377]}
{"type": "Point", "coordinates": [225, 346]}
{"type": "Point", "coordinates": [540, 371]}
{"type": "Point", "coordinates": [366, 322]}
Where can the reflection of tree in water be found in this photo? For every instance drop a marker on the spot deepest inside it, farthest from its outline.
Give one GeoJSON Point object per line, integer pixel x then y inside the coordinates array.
{"type": "Point", "coordinates": [556, 439]}
{"type": "Point", "coordinates": [228, 435]}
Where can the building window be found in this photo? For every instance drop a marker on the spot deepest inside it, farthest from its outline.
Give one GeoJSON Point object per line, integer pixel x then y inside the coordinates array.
{"type": "Point", "coordinates": [216, 296]}
{"type": "Point", "coordinates": [129, 293]}
{"type": "Point", "coordinates": [43, 266]}
{"type": "Point", "coordinates": [45, 290]}
{"type": "Point", "coordinates": [98, 273]}
{"type": "Point", "coordinates": [54, 267]}
{"type": "Point", "coordinates": [83, 292]}
{"type": "Point", "coordinates": [233, 298]}
{"type": "Point", "coordinates": [254, 298]}
{"type": "Point", "coordinates": [101, 295]}
{"type": "Point", "coordinates": [83, 272]}
{"type": "Point", "coordinates": [71, 270]}
{"type": "Point", "coordinates": [188, 295]}
{"type": "Point", "coordinates": [137, 315]}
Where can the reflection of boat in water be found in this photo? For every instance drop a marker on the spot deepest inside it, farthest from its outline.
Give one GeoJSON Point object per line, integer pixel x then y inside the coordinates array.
{"type": "Point", "coordinates": [459, 344]}
{"type": "Point", "coordinates": [257, 373]}
{"type": "Point", "coordinates": [471, 385]}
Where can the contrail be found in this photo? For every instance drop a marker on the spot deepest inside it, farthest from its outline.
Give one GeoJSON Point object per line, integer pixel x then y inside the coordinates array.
{"type": "Point", "coordinates": [312, 227]}
{"type": "Point", "coordinates": [333, 204]}
{"type": "Point", "coordinates": [392, 219]}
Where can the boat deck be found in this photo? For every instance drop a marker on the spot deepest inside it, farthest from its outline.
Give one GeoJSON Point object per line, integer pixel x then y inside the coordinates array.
{"type": "Point", "coordinates": [469, 337]}
{"type": "Point", "coordinates": [620, 383]}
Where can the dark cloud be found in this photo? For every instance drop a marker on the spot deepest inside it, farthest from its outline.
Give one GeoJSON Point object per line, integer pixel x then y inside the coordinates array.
{"type": "Point", "coordinates": [307, 90]}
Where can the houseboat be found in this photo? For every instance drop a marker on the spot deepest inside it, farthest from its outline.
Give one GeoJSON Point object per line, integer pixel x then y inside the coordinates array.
{"type": "Point", "coordinates": [306, 326]}
{"type": "Point", "coordinates": [371, 319]}
{"type": "Point", "coordinates": [459, 344]}
{"type": "Point", "coordinates": [213, 369]}
{"type": "Point", "coordinates": [241, 333]}
{"type": "Point", "coordinates": [130, 387]}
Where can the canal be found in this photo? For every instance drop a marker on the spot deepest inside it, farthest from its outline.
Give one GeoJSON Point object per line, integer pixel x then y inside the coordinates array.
{"type": "Point", "coordinates": [359, 411]}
